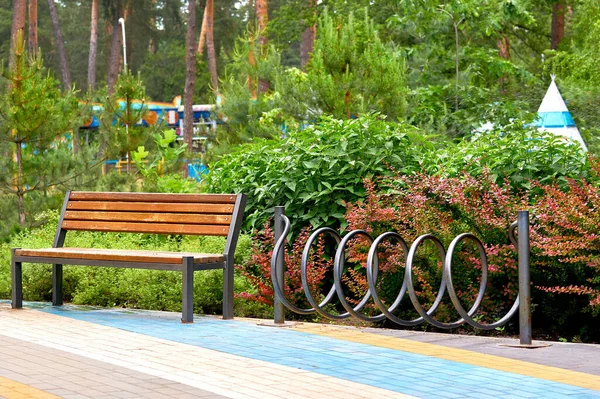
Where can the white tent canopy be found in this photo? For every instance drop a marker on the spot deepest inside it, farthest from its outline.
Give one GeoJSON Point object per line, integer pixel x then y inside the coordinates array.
{"type": "Point", "coordinates": [554, 116]}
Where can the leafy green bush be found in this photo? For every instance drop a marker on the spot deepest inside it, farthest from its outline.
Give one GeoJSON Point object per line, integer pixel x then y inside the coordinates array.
{"type": "Point", "coordinates": [516, 153]}
{"type": "Point", "coordinates": [148, 289]}
{"type": "Point", "coordinates": [314, 171]}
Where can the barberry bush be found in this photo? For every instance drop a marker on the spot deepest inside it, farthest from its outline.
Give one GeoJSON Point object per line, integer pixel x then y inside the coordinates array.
{"type": "Point", "coordinates": [257, 269]}
{"type": "Point", "coordinates": [565, 249]}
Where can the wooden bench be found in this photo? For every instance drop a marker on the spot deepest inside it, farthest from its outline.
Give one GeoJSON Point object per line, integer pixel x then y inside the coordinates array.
{"type": "Point", "coordinates": [186, 214]}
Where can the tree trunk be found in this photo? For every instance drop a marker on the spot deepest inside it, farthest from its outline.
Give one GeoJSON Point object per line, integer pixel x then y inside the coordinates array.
{"type": "Point", "coordinates": [60, 46]}
{"type": "Point", "coordinates": [262, 15]}
{"type": "Point", "coordinates": [151, 44]}
{"type": "Point", "coordinates": [504, 48]}
{"type": "Point", "coordinates": [18, 24]}
{"type": "Point", "coordinates": [558, 23]}
{"type": "Point", "coordinates": [307, 44]}
{"type": "Point", "coordinates": [93, 46]}
{"type": "Point", "coordinates": [75, 141]}
{"type": "Point", "coordinates": [456, 62]}
{"type": "Point", "coordinates": [19, 185]}
{"type": "Point", "coordinates": [210, 45]}
{"type": "Point", "coordinates": [251, 82]}
{"type": "Point", "coordinates": [504, 53]}
{"type": "Point", "coordinates": [190, 76]}
{"type": "Point", "coordinates": [33, 28]}
{"type": "Point", "coordinates": [115, 50]}
{"type": "Point", "coordinates": [202, 39]}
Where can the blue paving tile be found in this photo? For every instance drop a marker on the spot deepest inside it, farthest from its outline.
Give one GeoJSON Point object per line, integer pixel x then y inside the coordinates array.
{"type": "Point", "coordinates": [409, 373]}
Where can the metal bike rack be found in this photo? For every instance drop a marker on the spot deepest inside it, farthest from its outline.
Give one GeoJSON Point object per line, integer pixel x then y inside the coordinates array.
{"type": "Point", "coordinates": [522, 302]}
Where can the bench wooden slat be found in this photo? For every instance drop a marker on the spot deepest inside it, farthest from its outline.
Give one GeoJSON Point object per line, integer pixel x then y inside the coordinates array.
{"type": "Point", "coordinates": [151, 228]}
{"type": "Point", "coordinates": [153, 197]}
{"type": "Point", "coordinates": [164, 207]}
{"type": "Point", "coordinates": [120, 255]}
{"type": "Point", "coordinates": [181, 218]}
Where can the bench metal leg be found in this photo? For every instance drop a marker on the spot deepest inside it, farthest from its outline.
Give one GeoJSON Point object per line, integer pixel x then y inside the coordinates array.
{"type": "Point", "coordinates": [17, 281]}
{"type": "Point", "coordinates": [228, 289]}
{"type": "Point", "coordinates": [57, 285]}
{"type": "Point", "coordinates": [187, 293]}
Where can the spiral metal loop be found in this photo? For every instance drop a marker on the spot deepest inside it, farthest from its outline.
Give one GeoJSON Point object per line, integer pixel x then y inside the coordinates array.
{"type": "Point", "coordinates": [372, 269]}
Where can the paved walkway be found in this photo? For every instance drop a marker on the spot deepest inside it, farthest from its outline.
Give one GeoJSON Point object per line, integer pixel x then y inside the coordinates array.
{"type": "Point", "coordinates": [70, 352]}
{"type": "Point", "coordinates": [575, 357]}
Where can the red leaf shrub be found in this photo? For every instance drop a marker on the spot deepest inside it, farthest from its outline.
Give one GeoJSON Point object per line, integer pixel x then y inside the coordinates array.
{"type": "Point", "coordinates": [565, 242]}
{"type": "Point", "coordinates": [565, 249]}
{"type": "Point", "coordinates": [258, 268]}
{"type": "Point", "coordinates": [445, 207]}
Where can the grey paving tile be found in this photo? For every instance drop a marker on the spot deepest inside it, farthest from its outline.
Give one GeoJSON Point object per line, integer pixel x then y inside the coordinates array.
{"type": "Point", "coordinates": [76, 377]}
{"type": "Point", "coordinates": [570, 356]}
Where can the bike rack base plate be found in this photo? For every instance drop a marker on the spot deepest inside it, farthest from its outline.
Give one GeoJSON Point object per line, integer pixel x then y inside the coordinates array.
{"type": "Point", "coordinates": [525, 346]}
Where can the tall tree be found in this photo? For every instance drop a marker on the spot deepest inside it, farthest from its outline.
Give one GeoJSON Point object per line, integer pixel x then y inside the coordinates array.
{"type": "Point", "coordinates": [504, 53]}
{"type": "Point", "coordinates": [60, 45]}
{"type": "Point", "coordinates": [504, 47]}
{"type": "Point", "coordinates": [309, 34]}
{"type": "Point", "coordinates": [33, 27]}
{"type": "Point", "coordinates": [190, 76]}
{"type": "Point", "coordinates": [210, 44]}
{"type": "Point", "coordinates": [262, 15]}
{"type": "Point", "coordinates": [114, 60]}
{"type": "Point", "coordinates": [558, 23]}
{"type": "Point", "coordinates": [38, 114]}
{"type": "Point", "coordinates": [91, 77]}
{"type": "Point", "coordinates": [18, 24]}
{"type": "Point", "coordinates": [202, 38]}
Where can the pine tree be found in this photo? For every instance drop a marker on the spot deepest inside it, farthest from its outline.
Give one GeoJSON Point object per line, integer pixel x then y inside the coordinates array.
{"type": "Point", "coordinates": [35, 119]}
{"type": "Point", "coordinates": [351, 72]}
{"type": "Point", "coordinates": [120, 130]}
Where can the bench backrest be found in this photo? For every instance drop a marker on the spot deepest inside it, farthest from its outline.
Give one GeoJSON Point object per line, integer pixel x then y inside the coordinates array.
{"type": "Point", "coordinates": [188, 214]}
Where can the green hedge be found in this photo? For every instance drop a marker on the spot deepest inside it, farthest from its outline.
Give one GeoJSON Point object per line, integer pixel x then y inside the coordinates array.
{"type": "Point", "coordinates": [314, 171]}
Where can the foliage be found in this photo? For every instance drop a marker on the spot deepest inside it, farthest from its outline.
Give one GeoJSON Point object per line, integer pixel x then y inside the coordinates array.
{"type": "Point", "coordinates": [352, 72]}
{"type": "Point", "coordinates": [452, 50]}
{"type": "Point", "coordinates": [431, 109]}
{"type": "Point", "coordinates": [120, 131]}
{"type": "Point", "coordinates": [566, 240]}
{"type": "Point", "coordinates": [257, 268]}
{"type": "Point", "coordinates": [161, 174]}
{"type": "Point", "coordinates": [514, 152]}
{"type": "Point", "coordinates": [313, 172]}
{"type": "Point", "coordinates": [158, 290]}
{"type": "Point", "coordinates": [242, 105]}
{"type": "Point", "coordinates": [164, 74]}
{"type": "Point", "coordinates": [563, 241]}
{"type": "Point", "coordinates": [36, 124]}
{"type": "Point", "coordinates": [444, 207]}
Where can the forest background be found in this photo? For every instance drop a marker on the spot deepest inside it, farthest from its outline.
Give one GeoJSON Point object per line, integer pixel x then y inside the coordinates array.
{"type": "Point", "coordinates": [465, 59]}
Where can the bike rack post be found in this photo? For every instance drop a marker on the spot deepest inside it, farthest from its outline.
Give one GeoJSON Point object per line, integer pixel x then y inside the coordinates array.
{"type": "Point", "coordinates": [524, 279]}
{"type": "Point", "coordinates": [279, 310]}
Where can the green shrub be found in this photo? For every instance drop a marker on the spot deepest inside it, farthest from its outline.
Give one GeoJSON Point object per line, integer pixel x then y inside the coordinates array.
{"type": "Point", "coordinates": [314, 171]}
{"type": "Point", "coordinates": [519, 154]}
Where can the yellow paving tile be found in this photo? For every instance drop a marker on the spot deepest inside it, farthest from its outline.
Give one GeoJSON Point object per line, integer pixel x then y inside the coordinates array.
{"type": "Point", "coordinates": [549, 373]}
{"type": "Point", "coordinates": [10, 389]}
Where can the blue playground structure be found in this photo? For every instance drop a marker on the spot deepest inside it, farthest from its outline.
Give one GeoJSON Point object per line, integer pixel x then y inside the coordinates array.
{"type": "Point", "coordinates": [171, 114]}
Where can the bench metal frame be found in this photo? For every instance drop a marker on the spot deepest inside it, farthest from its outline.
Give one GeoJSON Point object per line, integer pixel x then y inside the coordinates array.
{"type": "Point", "coordinates": [186, 267]}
